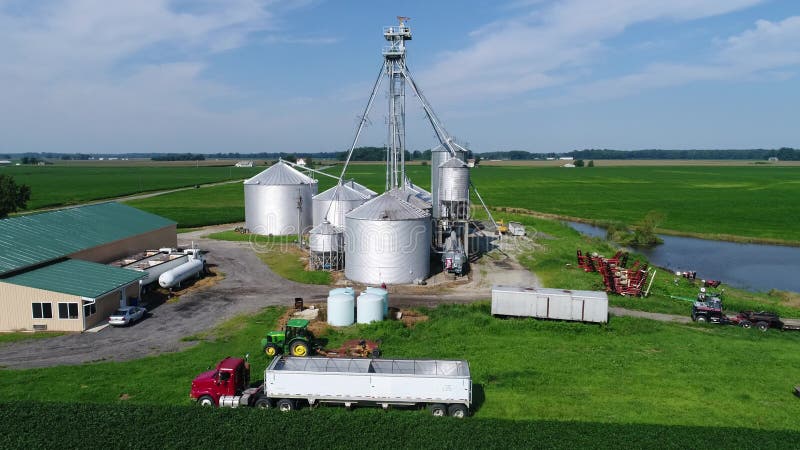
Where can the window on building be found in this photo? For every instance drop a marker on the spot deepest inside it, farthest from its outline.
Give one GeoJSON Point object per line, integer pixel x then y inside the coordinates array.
{"type": "Point", "coordinates": [89, 310]}
{"type": "Point", "coordinates": [67, 310]}
{"type": "Point", "coordinates": [42, 310]}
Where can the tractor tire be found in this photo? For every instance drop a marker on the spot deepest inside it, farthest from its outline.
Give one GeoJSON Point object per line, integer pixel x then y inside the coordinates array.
{"type": "Point", "coordinates": [701, 319]}
{"type": "Point", "coordinates": [457, 410]}
{"type": "Point", "coordinates": [746, 324]}
{"type": "Point", "coordinates": [763, 326]}
{"type": "Point", "coordinates": [299, 348]}
{"type": "Point", "coordinates": [376, 353]}
{"type": "Point", "coordinates": [285, 405]}
{"type": "Point", "coordinates": [271, 350]}
{"type": "Point", "coordinates": [437, 410]}
{"type": "Point", "coordinates": [262, 403]}
{"type": "Point", "coordinates": [205, 400]}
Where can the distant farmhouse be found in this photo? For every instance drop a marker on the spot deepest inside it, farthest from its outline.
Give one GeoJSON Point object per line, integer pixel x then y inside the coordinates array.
{"type": "Point", "coordinates": [244, 164]}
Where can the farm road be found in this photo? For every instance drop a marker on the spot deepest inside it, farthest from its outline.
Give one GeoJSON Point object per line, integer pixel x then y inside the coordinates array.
{"type": "Point", "coordinates": [247, 287]}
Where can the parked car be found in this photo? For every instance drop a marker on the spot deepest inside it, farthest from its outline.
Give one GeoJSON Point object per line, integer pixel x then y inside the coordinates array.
{"type": "Point", "coordinates": [127, 315]}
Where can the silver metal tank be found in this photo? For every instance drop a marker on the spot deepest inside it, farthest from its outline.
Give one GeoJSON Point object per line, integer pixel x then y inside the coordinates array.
{"type": "Point", "coordinates": [325, 238]}
{"type": "Point", "coordinates": [333, 204]}
{"type": "Point", "coordinates": [453, 181]}
{"type": "Point", "coordinates": [387, 240]}
{"type": "Point", "coordinates": [278, 201]}
{"type": "Point", "coordinates": [369, 193]}
{"type": "Point", "coordinates": [439, 156]}
{"type": "Point", "coordinates": [326, 245]}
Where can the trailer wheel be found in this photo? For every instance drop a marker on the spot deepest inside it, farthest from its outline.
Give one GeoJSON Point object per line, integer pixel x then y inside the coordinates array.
{"type": "Point", "coordinates": [271, 350]}
{"type": "Point", "coordinates": [437, 410]}
{"type": "Point", "coordinates": [285, 405]}
{"type": "Point", "coordinates": [457, 410]}
{"type": "Point", "coordinates": [299, 348]}
{"type": "Point", "coordinates": [763, 326]}
{"type": "Point", "coordinates": [746, 324]}
{"type": "Point", "coordinates": [262, 403]}
{"type": "Point", "coordinates": [205, 400]}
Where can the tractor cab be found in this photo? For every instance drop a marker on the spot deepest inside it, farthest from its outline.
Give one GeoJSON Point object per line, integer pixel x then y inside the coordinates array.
{"type": "Point", "coordinates": [230, 377]}
{"type": "Point", "coordinates": [295, 339]}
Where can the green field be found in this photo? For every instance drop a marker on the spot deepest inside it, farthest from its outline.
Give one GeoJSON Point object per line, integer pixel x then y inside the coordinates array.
{"type": "Point", "coordinates": [64, 185]}
{"type": "Point", "coordinates": [756, 202]}
{"type": "Point", "coordinates": [630, 372]}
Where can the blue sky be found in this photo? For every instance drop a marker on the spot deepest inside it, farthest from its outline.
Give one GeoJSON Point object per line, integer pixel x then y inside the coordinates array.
{"type": "Point", "coordinates": [261, 75]}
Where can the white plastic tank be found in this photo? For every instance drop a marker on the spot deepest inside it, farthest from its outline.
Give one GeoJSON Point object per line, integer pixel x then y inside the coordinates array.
{"type": "Point", "coordinates": [384, 295]}
{"type": "Point", "coordinates": [387, 240]}
{"type": "Point", "coordinates": [345, 290]}
{"type": "Point", "coordinates": [341, 309]}
{"type": "Point", "coordinates": [370, 308]}
{"type": "Point", "coordinates": [278, 201]}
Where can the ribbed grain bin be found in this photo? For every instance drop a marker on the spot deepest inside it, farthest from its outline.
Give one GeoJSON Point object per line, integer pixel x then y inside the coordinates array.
{"type": "Point", "coordinates": [387, 240]}
{"type": "Point", "coordinates": [341, 309]}
{"type": "Point", "coordinates": [333, 204]}
{"type": "Point", "coordinates": [278, 201]}
{"type": "Point", "coordinates": [384, 295]}
{"type": "Point", "coordinates": [370, 308]}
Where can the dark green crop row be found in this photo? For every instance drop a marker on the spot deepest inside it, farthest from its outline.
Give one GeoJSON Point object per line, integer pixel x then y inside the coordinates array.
{"type": "Point", "coordinates": [59, 425]}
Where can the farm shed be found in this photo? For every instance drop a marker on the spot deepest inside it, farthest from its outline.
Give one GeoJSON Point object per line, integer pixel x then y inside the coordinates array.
{"type": "Point", "coordinates": [53, 272]}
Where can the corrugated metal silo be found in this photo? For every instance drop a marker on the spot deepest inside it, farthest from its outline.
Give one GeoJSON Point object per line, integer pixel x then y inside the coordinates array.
{"type": "Point", "coordinates": [278, 201]}
{"type": "Point", "coordinates": [333, 204]}
{"type": "Point", "coordinates": [387, 240]}
{"type": "Point", "coordinates": [369, 193]}
{"type": "Point", "coordinates": [454, 190]}
{"type": "Point", "coordinates": [326, 245]}
{"type": "Point", "coordinates": [439, 156]}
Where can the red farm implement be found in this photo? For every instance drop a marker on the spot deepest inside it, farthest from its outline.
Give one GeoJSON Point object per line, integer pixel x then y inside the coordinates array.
{"type": "Point", "coordinates": [616, 277]}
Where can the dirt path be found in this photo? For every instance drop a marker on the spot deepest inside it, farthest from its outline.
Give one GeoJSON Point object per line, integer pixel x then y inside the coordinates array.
{"type": "Point", "coordinates": [616, 311]}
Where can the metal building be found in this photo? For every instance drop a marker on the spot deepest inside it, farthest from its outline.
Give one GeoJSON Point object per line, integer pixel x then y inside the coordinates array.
{"type": "Point", "coordinates": [278, 201]}
{"type": "Point", "coordinates": [387, 240]}
{"type": "Point", "coordinates": [53, 272]}
{"type": "Point", "coordinates": [326, 247]}
{"type": "Point", "coordinates": [333, 204]}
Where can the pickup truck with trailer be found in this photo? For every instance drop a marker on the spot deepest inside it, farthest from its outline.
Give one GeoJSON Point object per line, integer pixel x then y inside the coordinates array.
{"type": "Point", "coordinates": [444, 386]}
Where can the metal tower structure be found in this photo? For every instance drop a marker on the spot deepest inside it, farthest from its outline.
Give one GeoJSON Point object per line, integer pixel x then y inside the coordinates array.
{"type": "Point", "coordinates": [394, 60]}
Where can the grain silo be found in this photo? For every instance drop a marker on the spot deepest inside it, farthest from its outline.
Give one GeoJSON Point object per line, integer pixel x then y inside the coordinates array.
{"type": "Point", "coordinates": [278, 201]}
{"type": "Point", "coordinates": [369, 193]}
{"type": "Point", "coordinates": [326, 245]}
{"type": "Point", "coordinates": [333, 204]}
{"type": "Point", "coordinates": [453, 190]}
{"type": "Point", "coordinates": [387, 240]}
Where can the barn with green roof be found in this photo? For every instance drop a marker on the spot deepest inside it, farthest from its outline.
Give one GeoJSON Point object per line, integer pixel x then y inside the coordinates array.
{"type": "Point", "coordinates": [54, 272]}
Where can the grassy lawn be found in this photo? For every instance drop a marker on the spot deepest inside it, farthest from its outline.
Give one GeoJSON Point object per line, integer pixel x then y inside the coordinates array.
{"type": "Point", "coordinates": [198, 207]}
{"type": "Point", "coordinates": [631, 371]}
{"type": "Point", "coordinates": [287, 262]}
{"type": "Point", "coordinates": [62, 185]}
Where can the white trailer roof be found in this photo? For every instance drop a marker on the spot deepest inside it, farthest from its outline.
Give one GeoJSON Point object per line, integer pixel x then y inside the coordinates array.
{"type": "Point", "coordinates": [550, 291]}
{"type": "Point", "coordinates": [429, 367]}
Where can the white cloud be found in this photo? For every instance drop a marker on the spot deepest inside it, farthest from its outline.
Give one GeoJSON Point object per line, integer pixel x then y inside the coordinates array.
{"type": "Point", "coordinates": [760, 52]}
{"type": "Point", "coordinates": [546, 43]}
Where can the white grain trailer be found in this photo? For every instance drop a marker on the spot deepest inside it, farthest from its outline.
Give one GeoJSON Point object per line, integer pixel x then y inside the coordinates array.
{"type": "Point", "coordinates": [560, 304]}
{"type": "Point", "coordinates": [444, 386]}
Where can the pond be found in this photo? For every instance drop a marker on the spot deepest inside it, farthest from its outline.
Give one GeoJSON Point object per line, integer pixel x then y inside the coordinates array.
{"type": "Point", "coordinates": [757, 267]}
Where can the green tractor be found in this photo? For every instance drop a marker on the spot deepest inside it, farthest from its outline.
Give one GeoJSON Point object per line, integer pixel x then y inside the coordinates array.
{"type": "Point", "coordinates": [294, 340]}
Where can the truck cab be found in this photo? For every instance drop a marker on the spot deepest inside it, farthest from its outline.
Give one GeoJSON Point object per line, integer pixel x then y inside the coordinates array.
{"type": "Point", "coordinates": [230, 378]}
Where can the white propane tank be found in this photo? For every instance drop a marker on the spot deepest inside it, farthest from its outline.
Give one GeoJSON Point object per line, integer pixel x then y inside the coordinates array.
{"type": "Point", "coordinates": [341, 310]}
{"type": "Point", "coordinates": [173, 277]}
{"type": "Point", "coordinates": [384, 294]}
{"type": "Point", "coordinates": [370, 308]}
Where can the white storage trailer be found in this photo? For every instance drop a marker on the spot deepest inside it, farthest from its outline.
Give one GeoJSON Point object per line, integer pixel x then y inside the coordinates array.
{"type": "Point", "coordinates": [444, 386]}
{"type": "Point", "coordinates": [582, 306]}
